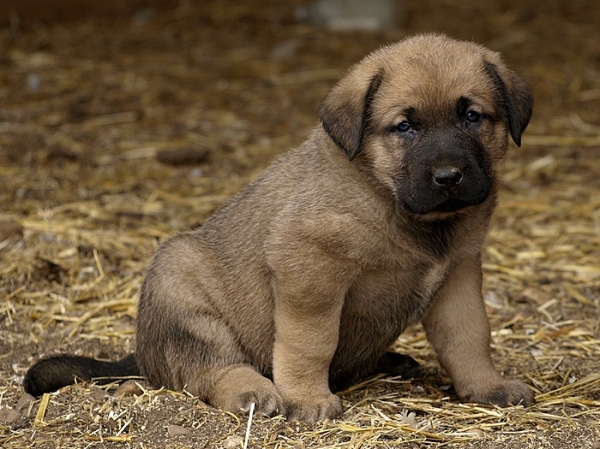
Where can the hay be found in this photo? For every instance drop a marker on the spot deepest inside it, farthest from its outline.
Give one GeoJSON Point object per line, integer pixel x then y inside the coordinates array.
{"type": "Point", "coordinates": [86, 200]}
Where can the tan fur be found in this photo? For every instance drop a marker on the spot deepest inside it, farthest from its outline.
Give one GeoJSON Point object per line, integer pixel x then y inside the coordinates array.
{"type": "Point", "coordinates": [311, 273]}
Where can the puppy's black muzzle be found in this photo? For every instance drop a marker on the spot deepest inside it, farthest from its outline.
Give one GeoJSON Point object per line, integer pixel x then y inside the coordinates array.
{"type": "Point", "coordinates": [444, 172]}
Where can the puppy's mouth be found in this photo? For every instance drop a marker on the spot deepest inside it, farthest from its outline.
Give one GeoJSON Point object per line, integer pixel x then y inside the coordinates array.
{"type": "Point", "coordinates": [453, 205]}
{"type": "Point", "coordinates": [447, 206]}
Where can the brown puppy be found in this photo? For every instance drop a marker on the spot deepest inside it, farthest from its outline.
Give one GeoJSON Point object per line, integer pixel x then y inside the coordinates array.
{"type": "Point", "coordinates": [300, 284]}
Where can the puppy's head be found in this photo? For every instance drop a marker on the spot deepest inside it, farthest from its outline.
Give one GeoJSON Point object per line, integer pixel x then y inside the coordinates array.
{"type": "Point", "coordinates": [429, 117]}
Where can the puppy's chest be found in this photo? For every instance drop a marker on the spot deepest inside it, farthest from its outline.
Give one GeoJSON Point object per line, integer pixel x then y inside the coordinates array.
{"type": "Point", "coordinates": [402, 294]}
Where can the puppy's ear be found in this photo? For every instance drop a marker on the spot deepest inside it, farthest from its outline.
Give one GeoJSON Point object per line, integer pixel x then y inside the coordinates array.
{"type": "Point", "coordinates": [514, 97]}
{"type": "Point", "coordinates": [346, 111]}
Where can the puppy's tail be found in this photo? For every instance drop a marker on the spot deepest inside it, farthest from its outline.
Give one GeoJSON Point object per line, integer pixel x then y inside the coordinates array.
{"type": "Point", "coordinates": [57, 371]}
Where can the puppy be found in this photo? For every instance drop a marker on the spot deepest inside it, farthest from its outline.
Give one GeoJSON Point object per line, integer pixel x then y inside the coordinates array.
{"type": "Point", "coordinates": [298, 286]}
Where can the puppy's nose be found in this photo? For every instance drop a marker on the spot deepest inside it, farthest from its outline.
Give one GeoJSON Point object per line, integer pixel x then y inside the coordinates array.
{"type": "Point", "coordinates": [447, 176]}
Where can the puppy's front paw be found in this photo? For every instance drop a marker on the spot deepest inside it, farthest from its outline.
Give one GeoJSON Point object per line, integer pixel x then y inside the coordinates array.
{"type": "Point", "coordinates": [505, 394]}
{"type": "Point", "coordinates": [314, 409]}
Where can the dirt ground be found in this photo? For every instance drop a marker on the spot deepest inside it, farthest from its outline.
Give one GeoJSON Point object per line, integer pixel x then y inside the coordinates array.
{"type": "Point", "coordinates": [117, 134]}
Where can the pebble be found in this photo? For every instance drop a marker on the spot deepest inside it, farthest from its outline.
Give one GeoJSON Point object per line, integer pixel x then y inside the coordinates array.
{"type": "Point", "coordinates": [98, 393]}
{"type": "Point", "coordinates": [129, 388]}
{"type": "Point", "coordinates": [8, 415]}
{"type": "Point", "coordinates": [175, 430]}
{"type": "Point", "coordinates": [25, 400]}
{"type": "Point", "coordinates": [233, 441]}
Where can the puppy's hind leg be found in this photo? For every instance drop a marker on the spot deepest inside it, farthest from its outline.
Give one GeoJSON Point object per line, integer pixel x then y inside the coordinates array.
{"type": "Point", "coordinates": [210, 364]}
{"type": "Point", "coordinates": [236, 387]}
{"type": "Point", "coordinates": [188, 337]}
{"type": "Point", "coordinates": [207, 361]}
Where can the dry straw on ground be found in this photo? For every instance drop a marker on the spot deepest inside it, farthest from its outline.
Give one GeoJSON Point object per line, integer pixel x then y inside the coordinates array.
{"type": "Point", "coordinates": [220, 89]}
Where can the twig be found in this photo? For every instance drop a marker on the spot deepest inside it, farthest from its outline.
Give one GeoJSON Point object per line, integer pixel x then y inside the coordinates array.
{"type": "Point", "coordinates": [249, 425]}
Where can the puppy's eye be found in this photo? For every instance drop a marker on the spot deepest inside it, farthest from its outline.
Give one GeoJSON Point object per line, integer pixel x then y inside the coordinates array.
{"type": "Point", "coordinates": [403, 126]}
{"type": "Point", "coordinates": [473, 116]}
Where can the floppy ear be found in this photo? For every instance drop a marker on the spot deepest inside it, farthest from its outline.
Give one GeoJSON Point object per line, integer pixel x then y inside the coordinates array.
{"type": "Point", "coordinates": [514, 97]}
{"type": "Point", "coordinates": [345, 113]}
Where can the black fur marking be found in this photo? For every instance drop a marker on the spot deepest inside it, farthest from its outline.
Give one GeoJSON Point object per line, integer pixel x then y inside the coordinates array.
{"type": "Point", "coordinates": [366, 128]}
{"type": "Point", "coordinates": [515, 106]}
{"type": "Point", "coordinates": [416, 190]}
{"type": "Point", "coordinates": [435, 237]}
{"type": "Point", "coordinates": [390, 363]}
{"type": "Point", "coordinates": [346, 125]}
{"type": "Point", "coordinates": [58, 371]}
{"type": "Point", "coordinates": [462, 105]}
{"type": "Point", "coordinates": [399, 365]}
